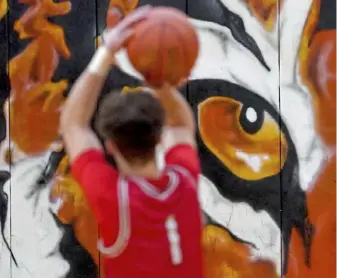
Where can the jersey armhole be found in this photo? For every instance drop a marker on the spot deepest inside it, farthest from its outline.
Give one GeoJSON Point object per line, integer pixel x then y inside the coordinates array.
{"type": "Point", "coordinates": [184, 172]}
{"type": "Point", "coordinates": [124, 227]}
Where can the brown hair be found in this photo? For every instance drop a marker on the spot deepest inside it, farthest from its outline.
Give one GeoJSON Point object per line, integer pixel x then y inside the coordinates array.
{"type": "Point", "coordinates": [133, 122]}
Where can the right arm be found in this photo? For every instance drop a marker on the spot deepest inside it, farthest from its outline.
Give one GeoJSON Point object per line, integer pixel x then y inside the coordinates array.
{"type": "Point", "coordinates": [179, 114]}
{"type": "Point", "coordinates": [179, 133]}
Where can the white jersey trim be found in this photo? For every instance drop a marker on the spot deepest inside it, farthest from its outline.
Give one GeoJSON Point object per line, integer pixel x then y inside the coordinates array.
{"type": "Point", "coordinates": [184, 172]}
{"type": "Point", "coordinates": [124, 232]}
{"type": "Point", "coordinates": [152, 191]}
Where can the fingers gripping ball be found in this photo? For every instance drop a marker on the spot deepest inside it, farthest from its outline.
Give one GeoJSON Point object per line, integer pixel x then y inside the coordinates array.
{"type": "Point", "coordinates": [164, 47]}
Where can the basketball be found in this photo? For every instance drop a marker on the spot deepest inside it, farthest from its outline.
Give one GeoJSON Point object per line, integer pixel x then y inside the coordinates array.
{"type": "Point", "coordinates": [164, 47]}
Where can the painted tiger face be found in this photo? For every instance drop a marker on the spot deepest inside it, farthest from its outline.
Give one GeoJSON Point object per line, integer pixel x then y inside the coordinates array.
{"type": "Point", "coordinates": [259, 141]}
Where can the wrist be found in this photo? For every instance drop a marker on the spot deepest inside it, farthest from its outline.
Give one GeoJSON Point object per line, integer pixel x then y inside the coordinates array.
{"type": "Point", "coordinates": [101, 62]}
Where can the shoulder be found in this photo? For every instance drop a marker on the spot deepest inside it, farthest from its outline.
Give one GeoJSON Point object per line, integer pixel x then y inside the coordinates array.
{"type": "Point", "coordinates": [180, 153]}
{"type": "Point", "coordinates": [183, 158]}
{"type": "Point", "coordinates": [90, 163]}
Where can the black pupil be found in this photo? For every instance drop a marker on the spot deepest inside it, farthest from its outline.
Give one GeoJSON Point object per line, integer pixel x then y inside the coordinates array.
{"type": "Point", "coordinates": [251, 126]}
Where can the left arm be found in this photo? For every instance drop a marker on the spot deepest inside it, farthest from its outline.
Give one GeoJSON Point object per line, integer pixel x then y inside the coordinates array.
{"type": "Point", "coordinates": [81, 105]}
{"type": "Point", "coordinates": [88, 166]}
{"type": "Point", "coordinates": [82, 101]}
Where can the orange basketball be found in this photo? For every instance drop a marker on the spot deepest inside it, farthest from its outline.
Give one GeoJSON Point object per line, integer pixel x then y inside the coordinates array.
{"type": "Point", "coordinates": [164, 47]}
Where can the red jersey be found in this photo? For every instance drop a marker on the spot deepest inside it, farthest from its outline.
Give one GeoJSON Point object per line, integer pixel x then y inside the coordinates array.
{"type": "Point", "coordinates": [148, 228]}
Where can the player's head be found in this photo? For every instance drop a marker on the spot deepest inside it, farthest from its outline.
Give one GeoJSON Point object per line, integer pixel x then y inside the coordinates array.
{"type": "Point", "coordinates": [131, 125]}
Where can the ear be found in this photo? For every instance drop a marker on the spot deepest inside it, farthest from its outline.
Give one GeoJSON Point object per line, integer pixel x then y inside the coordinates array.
{"type": "Point", "coordinates": [160, 140]}
{"type": "Point", "coordinates": [110, 147]}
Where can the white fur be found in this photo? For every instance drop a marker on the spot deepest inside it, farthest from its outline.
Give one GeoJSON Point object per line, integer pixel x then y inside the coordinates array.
{"type": "Point", "coordinates": [32, 233]}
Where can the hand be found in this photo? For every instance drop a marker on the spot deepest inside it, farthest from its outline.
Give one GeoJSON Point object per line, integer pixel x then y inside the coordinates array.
{"type": "Point", "coordinates": [115, 38]}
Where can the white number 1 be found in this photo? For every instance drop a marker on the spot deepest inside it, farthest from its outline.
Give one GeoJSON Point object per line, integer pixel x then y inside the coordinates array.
{"type": "Point", "coordinates": [173, 236]}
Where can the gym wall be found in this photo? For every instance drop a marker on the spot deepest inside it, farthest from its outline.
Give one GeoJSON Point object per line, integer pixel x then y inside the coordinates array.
{"type": "Point", "coordinates": [264, 94]}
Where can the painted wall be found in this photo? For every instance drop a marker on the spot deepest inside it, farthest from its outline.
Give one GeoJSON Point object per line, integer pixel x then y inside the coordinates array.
{"type": "Point", "coordinates": [263, 92]}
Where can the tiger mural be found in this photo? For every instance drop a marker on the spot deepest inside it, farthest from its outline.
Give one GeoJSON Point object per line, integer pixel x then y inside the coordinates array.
{"type": "Point", "coordinates": [263, 93]}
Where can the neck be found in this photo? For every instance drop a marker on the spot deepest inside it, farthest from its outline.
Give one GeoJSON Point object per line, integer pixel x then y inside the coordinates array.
{"type": "Point", "coordinates": [149, 170]}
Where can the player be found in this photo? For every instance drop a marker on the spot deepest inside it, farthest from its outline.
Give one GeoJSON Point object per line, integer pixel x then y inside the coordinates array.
{"type": "Point", "coordinates": [149, 220]}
